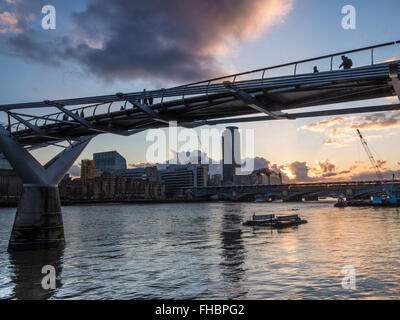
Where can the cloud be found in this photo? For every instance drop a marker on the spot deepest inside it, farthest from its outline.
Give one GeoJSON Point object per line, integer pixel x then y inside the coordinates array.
{"type": "Point", "coordinates": [341, 126]}
{"type": "Point", "coordinates": [327, 168]}
{"type": "Point", "coordinates": [296, 171]}
{"type": "Point", "coordinates": [259, 163]}
{"type": "Point", "coordinates": [378, 121]}
{"type": "Point", "coordinates": [327, 171]}
{"type": "Point", "coordinates": [381, 164]}
{"type": "Point", "coordinates": [334, 142]}
{"type": "Point", "coordinates": [174, 39]}
{"type": "Point", "coordinates": [322, 125]}
{"type": "Point", "coordinates": [140, 165]}
{"type": "Point", "coordinates": [9, 23]}
{"type": "Point", "coordinates": [18, 15]}
{"type": "Point", "coordinates": [75, 171]}
{"type": "Point", "coordinates": [341, 131]}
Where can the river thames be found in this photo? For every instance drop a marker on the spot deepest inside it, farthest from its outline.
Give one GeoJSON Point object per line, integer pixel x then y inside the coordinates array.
{"type": "Point", "coordinates": [202, 251]}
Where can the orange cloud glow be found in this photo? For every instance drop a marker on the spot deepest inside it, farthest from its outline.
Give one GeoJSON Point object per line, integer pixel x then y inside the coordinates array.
{"type": "Point", "coordinates": [9, 23]}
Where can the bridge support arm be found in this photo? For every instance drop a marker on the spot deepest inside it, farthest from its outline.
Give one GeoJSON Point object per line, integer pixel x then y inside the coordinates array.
{"type": "Point", "coordinates": [253, 102]}
{"type": "Point", "coordinates": [38, 222]}
{"type": "Point", "coordinates": [150, 112]}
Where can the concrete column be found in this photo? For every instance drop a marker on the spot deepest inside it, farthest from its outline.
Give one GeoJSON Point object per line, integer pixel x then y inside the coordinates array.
{"type": "Point", "coordinates": [349, 194]}
{"type": "Point", "coordinates": [285, 194]}
{"type": "Point", "coordinates": [38, 222]}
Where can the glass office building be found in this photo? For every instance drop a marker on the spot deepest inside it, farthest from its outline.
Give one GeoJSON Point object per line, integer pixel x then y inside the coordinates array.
{"type": "Point", "coordinates": [110, 161]}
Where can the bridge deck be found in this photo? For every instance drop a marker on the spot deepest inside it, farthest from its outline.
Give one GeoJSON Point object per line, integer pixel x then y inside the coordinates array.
{"type": "Point", "coordinates": [204, 103]}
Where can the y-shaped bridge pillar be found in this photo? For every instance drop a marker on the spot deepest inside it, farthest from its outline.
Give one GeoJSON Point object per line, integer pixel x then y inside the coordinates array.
{"type": "Point", "coordinates": [38, 222]}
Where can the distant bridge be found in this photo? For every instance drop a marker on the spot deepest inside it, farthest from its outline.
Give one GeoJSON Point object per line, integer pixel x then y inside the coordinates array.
{"type": "Point", "coordinates": [294, 192]}
{"type": "Point", "coordinates": [38, 222]}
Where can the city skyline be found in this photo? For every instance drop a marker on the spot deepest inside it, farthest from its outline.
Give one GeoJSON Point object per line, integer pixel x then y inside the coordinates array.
{"type": "Point", "coordinates": [325, 148]}
{"type": "Point", "coordinates": [325, 173]}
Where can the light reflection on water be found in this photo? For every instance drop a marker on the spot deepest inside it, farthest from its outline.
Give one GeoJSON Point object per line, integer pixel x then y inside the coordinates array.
{"type": "Point", "coordinates": [202, 251]}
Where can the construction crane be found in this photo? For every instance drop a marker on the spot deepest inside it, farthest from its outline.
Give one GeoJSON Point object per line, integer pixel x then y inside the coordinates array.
{"type": "Point", "coordinates": [377, 199]}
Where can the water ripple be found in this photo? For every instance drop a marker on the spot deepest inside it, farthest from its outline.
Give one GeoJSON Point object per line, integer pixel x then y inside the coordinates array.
{"type": "Point", "coordinates": [202, 251]}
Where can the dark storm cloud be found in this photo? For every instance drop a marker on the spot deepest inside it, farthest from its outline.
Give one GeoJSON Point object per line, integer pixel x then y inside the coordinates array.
{"type": "Point", "coordinates": [174, 39]}
{"type": "Point", "coordinates": [26, 48]}
{"type": "Point", "coordinates": [300, 170]}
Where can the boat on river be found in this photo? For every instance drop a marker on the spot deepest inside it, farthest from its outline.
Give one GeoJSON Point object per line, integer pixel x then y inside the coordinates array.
{"type": "Point", "coordinates": [270, 220]}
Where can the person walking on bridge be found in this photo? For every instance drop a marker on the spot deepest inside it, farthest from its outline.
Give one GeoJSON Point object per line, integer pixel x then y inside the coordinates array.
{"type": "Point", "coordinates": [145, 100]}
{"type": "Point", "coordinates": [347, 63]}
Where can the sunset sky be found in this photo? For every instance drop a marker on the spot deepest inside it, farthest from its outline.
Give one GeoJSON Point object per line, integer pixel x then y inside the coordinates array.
{"type": "Point", "coordinates": [102, 47]}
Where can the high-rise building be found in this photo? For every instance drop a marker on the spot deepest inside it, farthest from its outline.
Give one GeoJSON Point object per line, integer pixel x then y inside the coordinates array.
{"type": "Point", "coordinates": [110, 161]}
{"type": "Point", "coordinates": [230, 154]}
{"type": "Point", "coordinates": [88, 170]}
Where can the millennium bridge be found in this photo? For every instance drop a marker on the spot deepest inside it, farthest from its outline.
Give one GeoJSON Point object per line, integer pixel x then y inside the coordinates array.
{"type": "Point", "coordinates": [236, 98]}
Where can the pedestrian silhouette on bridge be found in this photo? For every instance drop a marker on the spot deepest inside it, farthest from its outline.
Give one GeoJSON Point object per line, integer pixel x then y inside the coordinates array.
{"type": "Point", "coordinates": [316, 69]}
{"type": "Point", "coordinates": [145, 101]}
{"type": "Point", "coordinates": [347, 63]}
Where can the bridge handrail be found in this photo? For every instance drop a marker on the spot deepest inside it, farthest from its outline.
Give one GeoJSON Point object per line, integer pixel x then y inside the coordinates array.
{"type": "Point", "coordinates": [299, 62]}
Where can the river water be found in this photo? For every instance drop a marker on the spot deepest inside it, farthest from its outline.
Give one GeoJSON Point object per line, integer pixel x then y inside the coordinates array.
{"type": "Point", "coordinates": [202, 251]}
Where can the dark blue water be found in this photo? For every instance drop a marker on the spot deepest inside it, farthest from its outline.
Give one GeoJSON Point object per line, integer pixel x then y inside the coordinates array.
{"type": "Point", "coordinates": [202, 251]}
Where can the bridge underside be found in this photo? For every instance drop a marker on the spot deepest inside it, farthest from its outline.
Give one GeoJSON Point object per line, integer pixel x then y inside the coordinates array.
{"type": "Point", "coordinates": [195, 106]}
{"type": "Point", "coordinates": [296, 192]}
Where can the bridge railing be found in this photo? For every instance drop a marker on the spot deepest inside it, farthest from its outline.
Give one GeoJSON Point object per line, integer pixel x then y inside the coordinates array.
{"type": "Point", "coordinates": [295, 64]}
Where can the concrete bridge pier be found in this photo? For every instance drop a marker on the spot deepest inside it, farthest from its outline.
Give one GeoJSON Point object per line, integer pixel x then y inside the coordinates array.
{"type": "Point", "coordinates": [311, 198]}
{"type": "Point", "coordinates": [294, 199]}
{"type": "Point", "coordinates": [349, 194]}
{"type": "Point", "coordinates": [38, 222]}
